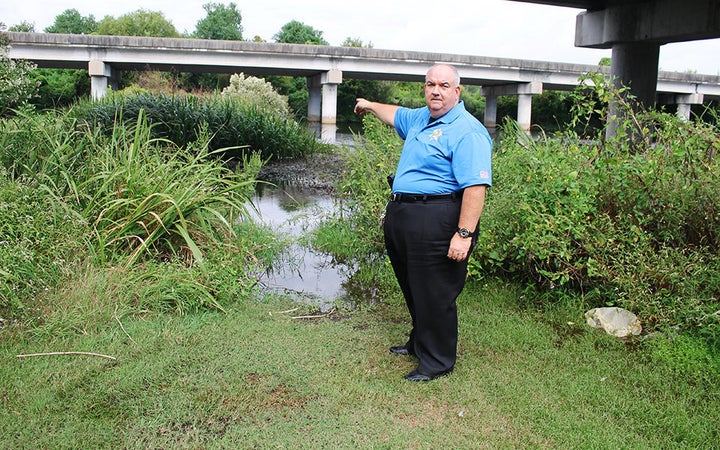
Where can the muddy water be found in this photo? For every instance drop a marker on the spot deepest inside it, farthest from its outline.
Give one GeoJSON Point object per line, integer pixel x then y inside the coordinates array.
{"type": "Point", "coordinates": [302, 273]}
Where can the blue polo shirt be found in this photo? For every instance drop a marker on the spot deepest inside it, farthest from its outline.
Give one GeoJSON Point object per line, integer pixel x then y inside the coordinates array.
{"type": "Point", "coordinates": [447, 155]}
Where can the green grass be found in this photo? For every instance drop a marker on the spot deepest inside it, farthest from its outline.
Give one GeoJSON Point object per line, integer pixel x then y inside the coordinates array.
{"type": "Point", "coordinates": [254, 377]}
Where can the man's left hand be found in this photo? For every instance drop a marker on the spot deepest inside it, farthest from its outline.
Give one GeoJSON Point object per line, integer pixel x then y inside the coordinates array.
{"type": "Point", "coordinates": [459, 248]}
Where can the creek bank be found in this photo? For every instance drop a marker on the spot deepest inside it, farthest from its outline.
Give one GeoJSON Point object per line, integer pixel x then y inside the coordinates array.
{"type": "Point", "coordinates": [318, 172]}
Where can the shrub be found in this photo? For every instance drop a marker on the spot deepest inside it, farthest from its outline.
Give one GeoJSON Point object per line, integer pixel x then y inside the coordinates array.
{"type": "Point", "coordinates": [236, 127]}
{"type": "Point", "coordinates": [629, 221]}
{"type": "Point", "coordinates": [364, 186]}
{"type": "Point", "coordinates": [16, 84]}
{"type": "Point", "coordinates": [125, 200]}
{"type": "Point", "coordinates": [40, 241]}
{"type": "Point", "coordinates": [257, 92]}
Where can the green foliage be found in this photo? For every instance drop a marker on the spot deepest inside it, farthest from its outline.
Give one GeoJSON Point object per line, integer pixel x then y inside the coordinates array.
{"type": "Point", "coordinates": [71, 21]}
{"type": "Point", "coordinates": [350, 90]}
{"type": "Point", "coordinates": [295, 32]}
{"type": "Point", "coordinates": [235, 126]}
{"type": "Point", "coordinates": [295, 89]}
{"type": "Point", "coordinates": [364, 184]}
{"type": "Point", "coordinates": [221, 22]}
{"type": "Point", "coordinates": [631, 221]}
{"type": "Point", "coordinates": [151, 201]}
{"type": "Point", "coordinates": [355, 43]}
{"type": "Point", "coordinates": [39, 241]}
{"type": "Point", "coordinates": [686, 355]}
{"type": "Point", "coordinates": [126, 200]}
{"type": "Point", "coordinates": [60, 87]}
{"type": "Point", "coordinates": [138, 23]}
{"type": "Point", "coordinates": [17, 86]}
{"type": "Point", "coordinates": [257, 92]}
{"type": "Point", "coordinates": [23, 27]}
{"type": "Point", "coordinates": [408, 94]}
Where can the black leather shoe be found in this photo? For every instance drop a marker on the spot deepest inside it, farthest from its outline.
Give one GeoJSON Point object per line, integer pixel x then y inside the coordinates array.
{"type": "Point", "coordinates": [400, 350]}
{"type": "Point", "coordinates": [417, 376]}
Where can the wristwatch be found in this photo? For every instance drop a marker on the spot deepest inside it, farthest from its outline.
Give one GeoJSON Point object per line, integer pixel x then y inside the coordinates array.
{"type": "Point", "coordinates": [465, 233]}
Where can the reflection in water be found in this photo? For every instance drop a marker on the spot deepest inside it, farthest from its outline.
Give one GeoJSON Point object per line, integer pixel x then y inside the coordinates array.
{"type": "Point", "coordinates": [304, 272]}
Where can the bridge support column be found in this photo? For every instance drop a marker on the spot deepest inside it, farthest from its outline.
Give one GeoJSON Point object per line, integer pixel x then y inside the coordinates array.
{"type": "Point", "coordinates": [524, 91]}
{"type": "Point", "coordinates": [322, 103]}
{"type": "Point", "coordinates": [314, 99]}
{"type": "Point", "coordinates": [490, 120]}
{"type": "Point", "coordinates": [524, 111]}
{"type": "Point", "coordinates": [100, 75]}
{"type": "Point", "coordinates": [684, 102]}
{"type": "Point", "coordinates": [634, 65]}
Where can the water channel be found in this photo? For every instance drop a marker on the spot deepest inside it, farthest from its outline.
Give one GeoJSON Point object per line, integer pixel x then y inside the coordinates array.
{"type": "Point", "coordinates": [296, 201]}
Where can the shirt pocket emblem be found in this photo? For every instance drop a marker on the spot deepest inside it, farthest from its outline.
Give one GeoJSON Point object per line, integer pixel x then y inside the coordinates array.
{"type": "Point", "coordinates": [436, 134]}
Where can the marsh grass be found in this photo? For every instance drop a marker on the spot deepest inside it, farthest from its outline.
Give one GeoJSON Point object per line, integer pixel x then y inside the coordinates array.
{"type": "Point", "coordinates": [126, 200]}
{"type": "Point", "coordinates": [253, 377]}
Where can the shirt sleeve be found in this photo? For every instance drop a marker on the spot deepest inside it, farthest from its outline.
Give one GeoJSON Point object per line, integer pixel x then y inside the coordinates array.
{"type": "Point", "coordinates": [401, 122]}
{"type": "Point", "coordinates": [472, 160]}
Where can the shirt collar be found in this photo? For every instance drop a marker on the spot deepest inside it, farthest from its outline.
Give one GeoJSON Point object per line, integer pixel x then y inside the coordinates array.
{"type": "Point", "coordinates": [449, 116]}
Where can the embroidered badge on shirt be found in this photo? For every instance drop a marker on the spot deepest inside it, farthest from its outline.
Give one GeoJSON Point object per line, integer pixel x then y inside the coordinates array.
{"type": "Point", "coordinates": [436, 134]}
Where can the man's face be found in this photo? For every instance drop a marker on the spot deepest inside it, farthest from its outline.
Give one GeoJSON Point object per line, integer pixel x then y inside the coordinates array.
{"type": "Point", "coordinates": [441, 92]}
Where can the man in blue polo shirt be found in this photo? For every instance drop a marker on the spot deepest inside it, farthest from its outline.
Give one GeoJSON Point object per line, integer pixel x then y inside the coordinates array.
{"type": "Point", "coordinates": [431, 222]}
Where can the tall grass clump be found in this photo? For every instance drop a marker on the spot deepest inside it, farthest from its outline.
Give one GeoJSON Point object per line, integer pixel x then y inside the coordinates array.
{"type": "Point", "coordinates": [123, 201]}
{"type": "Point", "coordinates": [234, 125]}
{"type": "Point", "coordinates": [629, 221]}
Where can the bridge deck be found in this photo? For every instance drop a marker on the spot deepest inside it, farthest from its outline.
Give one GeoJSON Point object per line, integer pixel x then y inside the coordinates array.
{"type": "Point", "coordinates": [261, 58]}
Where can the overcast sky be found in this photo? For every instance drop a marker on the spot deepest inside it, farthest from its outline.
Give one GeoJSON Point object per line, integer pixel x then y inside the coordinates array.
{"type": "Point", "coordinates": [498, 28]}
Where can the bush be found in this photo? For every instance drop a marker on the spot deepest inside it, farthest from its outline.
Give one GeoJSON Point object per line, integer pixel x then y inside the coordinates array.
{"type": "Point", "coordinates": [235, 126]}
{"type": "Point", "coordinates": [364, 186]}
{"type": "Point", "coordinates": [631, 221]}
{"type": "Point", "coordinates": [126, 201]}
{"type": "Point", "coordinates": [17, 86]}
{"type": "Point", "coordinates": [257, 92]}
{"type": "Point", "coordinates": [40, 241]}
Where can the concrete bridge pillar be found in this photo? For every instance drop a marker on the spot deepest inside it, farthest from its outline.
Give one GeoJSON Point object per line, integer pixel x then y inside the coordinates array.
{"type": "Point", "coordinates": [100, 75]}
{"type": "Point", "coordinates": [322, 102]}
{"type": "Point", "coordinates": [314, 99]}
{"type": "Point", "coordinates": [330, 81]}
{"type": "Point", "coordinates": [490, 120]}
{"type": "Point", "coordinates": [524, 111]}
{"type": "Point", "coordinates": [524, 91]}
{"type": "Point", "coordinates": [634, 65]}
{"type": "Point", "coordinates": [684, 102]}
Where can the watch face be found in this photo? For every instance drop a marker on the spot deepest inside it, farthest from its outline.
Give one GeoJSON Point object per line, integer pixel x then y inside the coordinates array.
{"type": "Point", "coordinates": [463, 232]}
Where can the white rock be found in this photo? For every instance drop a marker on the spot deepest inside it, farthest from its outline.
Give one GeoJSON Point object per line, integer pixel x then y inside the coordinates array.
{"type": "Point", "coordinates": [615, 321]}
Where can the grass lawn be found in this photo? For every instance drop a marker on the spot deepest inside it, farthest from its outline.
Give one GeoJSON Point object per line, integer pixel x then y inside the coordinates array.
{"type": "Point", "coordinates": [255, 377]}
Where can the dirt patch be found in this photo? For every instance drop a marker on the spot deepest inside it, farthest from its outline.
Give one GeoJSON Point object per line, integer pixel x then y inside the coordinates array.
{"type": "Point", "coordinates": [320, 171]}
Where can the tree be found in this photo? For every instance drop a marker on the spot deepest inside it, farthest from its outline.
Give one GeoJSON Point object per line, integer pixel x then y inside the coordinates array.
{"type": "Point", "coordinates": [23, 27]}
{"type": "Point", "coordinates": [221, 22]}
{"type": "Point", "coordinates": [138, 23]}
{"type": "Point", "coordinates": [355, 42]}
{"type": "Point", "coordinates": [61, 87]}
{"type": "Point", "coordinates": [295, 32]}
{"type": "Point", "coordinates": [16, 85]}
{"type": "Point", "coordinates": [352, 89]}
{"type": "Point", "coordinates": [71, 22]}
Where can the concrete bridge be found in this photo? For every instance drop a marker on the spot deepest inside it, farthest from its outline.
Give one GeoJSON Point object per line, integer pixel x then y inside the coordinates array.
{"type": "Point", "coordinates": [325, 67]}
{"type": "Point", "coordinates": [635, 30]}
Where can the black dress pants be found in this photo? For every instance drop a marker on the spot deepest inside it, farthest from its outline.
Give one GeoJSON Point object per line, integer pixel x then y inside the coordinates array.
{"type": "Point", "coordinates": [417, 238]}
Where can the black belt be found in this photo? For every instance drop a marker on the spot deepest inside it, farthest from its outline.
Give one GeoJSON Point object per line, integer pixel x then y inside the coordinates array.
{"type": "Point", "coordinates": [424, 197]}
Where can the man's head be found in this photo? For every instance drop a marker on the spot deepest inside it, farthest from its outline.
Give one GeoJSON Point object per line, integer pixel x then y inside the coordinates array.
{"type": "Point", "coordinates": [442, 89]}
